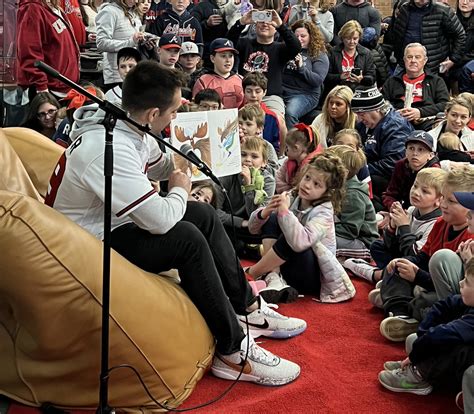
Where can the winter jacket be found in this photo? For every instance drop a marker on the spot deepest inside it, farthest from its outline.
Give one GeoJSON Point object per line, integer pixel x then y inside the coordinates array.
{"type": "Point", "coordinates": [409, 240]}
{"type": "Point", "coordinates": [44, 35]}
{"type": "Point", "coordinates": [450, 322]}
{"type": "Point", "coordinates": [114, 32]}
{"type": "Point", "coordinates": [357, 218]}
{"type": "Point", "coordinates": [381, 65]}
{"type": "Point", "coordinates": [308, 78]}
{"type": "Point", "coordinates": [201, 12]}
{"type": "Point", "coordinates": [364, 13]}
{"type": "Point", "coordinates": [434, 99]}
{"type": "Point", "coordinates": [401, 181]}
{"type": "Point", "coordinates": [441, 33]}
{"type": "Point", "coordinates": [185, 26]}
{"type": "Point", "coordinates": [363, 60]}
{"type": "Point", "coordinates": [313, 228]}
{"type": "Point", "coordinates": [467, 136]}
{"type": "Point", "coordinates": [385, 145]}
{"type": "Point", "coordinates": [270, 59]}
{"type": "Point", "coordinates": [241, 198]}
{"type": "Point", "coordinates": [468, 25]}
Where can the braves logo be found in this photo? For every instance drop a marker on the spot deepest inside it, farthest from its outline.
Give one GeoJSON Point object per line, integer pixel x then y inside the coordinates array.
{"type": "Point", "coordinates": [257, 62]}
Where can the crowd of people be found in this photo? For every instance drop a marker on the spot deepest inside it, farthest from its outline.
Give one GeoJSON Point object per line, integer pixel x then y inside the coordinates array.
{"type": "Point", "coordinates": [357, 152]}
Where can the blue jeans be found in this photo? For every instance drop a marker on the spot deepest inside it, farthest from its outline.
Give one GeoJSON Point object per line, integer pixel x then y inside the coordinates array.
{"type": "Point", "coordinates": [298, 105]}
{"type": "Point", "coordinates": [466, 83]}
{"type": "Point", "coordinates": [301, 269]}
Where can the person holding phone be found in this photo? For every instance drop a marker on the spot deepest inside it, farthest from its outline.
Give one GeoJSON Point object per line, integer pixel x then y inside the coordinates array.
{"type": "Point", "coordinates": [350, 63]}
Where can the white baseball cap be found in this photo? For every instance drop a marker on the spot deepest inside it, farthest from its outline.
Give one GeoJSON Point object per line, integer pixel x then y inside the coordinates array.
{"type": "Point", "coordinates": [188, 48]}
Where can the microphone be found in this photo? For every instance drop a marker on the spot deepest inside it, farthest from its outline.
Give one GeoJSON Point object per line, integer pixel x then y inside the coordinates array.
{"type": "Point", "coordinates": [187, 150]}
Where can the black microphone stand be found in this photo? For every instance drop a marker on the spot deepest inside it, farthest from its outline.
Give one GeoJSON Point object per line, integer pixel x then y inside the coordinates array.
{"type": "Point", "coordinates": [112, 114]}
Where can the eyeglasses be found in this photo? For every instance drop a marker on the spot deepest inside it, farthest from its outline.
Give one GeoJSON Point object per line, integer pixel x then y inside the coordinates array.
{"type": "Point", "coordinates": [43, 115]}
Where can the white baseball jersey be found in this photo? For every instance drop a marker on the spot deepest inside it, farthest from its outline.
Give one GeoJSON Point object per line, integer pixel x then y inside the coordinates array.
{"type": "Point", "coordinates": [77, 185]}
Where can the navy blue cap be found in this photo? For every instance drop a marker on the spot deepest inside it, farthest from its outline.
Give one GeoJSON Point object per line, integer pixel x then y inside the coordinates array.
{"type": "Point", "coordinates": [423, 137]}
{"type": "Point", "coordinates": [222, 45]}
{"type": "Point", "coordinates": [466, 199]}
{"type": "Point", "coordinates": [169, 41]}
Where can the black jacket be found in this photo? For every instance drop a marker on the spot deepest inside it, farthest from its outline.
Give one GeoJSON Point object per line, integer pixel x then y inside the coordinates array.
{"type": "Point", "coordinates": [362, 60]}
{"type": "Point", "coordinates": [468, 25]}
{"type": "Point", "coordinates": [442, 34]}
{"type": "Point", "coordinates": [381, 64]}
{"type": "Point", "coordinates": [201, 12]}
{"type": "Point", "coordinates": [435, 94]}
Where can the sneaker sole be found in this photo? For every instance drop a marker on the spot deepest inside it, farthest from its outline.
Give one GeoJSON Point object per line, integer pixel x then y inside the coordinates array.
{"type": "Point", "coordinates": [230, 374]}
{"type": "Point", "coordinates": [419, 391]}
{"type": "Point", "coordinates": [268, 333]}
{"type": "Point", "coordinates": [396, 330]}
{"type": "Point", "coordinates": [285, 295]}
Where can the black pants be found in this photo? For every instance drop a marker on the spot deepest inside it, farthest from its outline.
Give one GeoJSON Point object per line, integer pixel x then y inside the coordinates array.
{"type": "Point", "coordinates": [201, 251]}
{"type": "Point", "coordinates": [397, 293]}
{"type": "Point", "coordinates": [379, 186]}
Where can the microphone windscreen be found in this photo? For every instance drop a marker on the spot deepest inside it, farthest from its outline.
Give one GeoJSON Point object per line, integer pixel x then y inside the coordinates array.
{"type": "Point", "coordinates": [186, 149]}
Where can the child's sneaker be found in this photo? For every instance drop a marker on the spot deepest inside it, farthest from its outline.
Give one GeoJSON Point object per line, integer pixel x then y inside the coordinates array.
{"type": "Point", "coordinates": [261, 366]}
{"type": "Point", "coordinates": [397, 328]}
{"type": "Point", "coordinates": [266, 322]}
{"type": "Point", "coordinates": [360, 268]}
{"type": "Point", "coordinates": [405, 380]}
{"type": "Point", "coordinates": [391, 365]}
{"type": "Point", "coordinates": [375, 298]}
{"type": "Point", "coordinates": [460, 401]}
{"type": "Point", "coordinates": [277, 290]}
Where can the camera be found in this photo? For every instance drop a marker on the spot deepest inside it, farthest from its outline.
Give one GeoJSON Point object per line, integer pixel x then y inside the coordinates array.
{"type": "Point", "coordinates": [356, 71]}
{"type": "Point", "coordinates": [262, 16]}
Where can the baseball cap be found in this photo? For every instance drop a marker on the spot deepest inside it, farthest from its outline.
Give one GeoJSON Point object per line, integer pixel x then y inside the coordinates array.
{"type": "Point", "coordinates": [189, 48]}
{"type": "Point", "coordinates": [465, 198]}
{"type": "Point", "coordinates": [423, 137]}
{"type": "Point", "coordinates": [169, 41]}
{"type": "Point", "coordinates": [222, 45]}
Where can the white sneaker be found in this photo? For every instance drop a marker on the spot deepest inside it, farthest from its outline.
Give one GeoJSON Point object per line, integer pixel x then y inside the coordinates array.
{"type": "Point", "coordinates": [261, 366]}
{"type": "Point", "coordinates": [360, 268]}
{"type": "Point", "coordinates": [375, 298]}
{"type": "Point", "coordinates": [266, 322]}
{"type": "Point", "coordinates": [277, 290]}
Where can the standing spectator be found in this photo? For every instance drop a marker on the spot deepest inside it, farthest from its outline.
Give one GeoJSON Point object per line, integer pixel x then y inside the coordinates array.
{"type": "Point", "coordinates": [44, 33]}
{"type": "Point", "coordinates": [189, 62]}
{"type": "Point", "coordinates": [317, 12]}
{"type": "Point", "coordinates": [303, 77]}
{"type": "Point", "coordinates": [265, 55]}
{"type": "Point", "coordinates": [118, 26]}
{"type": "Point", "coordinates": [89, 13]}
{"type": "Point", "coordinates": [418, 95]}
{"type": "Point", "coordinates": [350, 63]}
{"type": "Point", "coordinates": [464, 11]}
{"type": "Point", "coordinates": [41, 116]}
{"type": "Point", "coordinates": [336, 115]}
{"type": "Point", "coordinates": [360, 10]}
{"type": "Point", "coordinates": [143, 7]}
{"type": "Point", "coordinates": [436, 26]}
{"type": "Point", "coordinates": [384, 132]}
{"type": "Point", "coordinates": [73, 13]}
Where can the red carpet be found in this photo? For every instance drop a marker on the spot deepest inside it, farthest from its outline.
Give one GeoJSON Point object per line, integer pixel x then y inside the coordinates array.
{"type": "Point", "coordinates": [340, 355]}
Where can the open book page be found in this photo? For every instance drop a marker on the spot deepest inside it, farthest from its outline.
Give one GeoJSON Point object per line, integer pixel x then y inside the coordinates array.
{"type": "Point", "coordinates": [214, 137]}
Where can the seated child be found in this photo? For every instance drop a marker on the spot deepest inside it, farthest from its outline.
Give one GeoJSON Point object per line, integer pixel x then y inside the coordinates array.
{"type": "Point", "coordinates": [419, 154]}
{"type": "Point", "coordinates": [204, 192]}
{"type": "Point", "coordinates": [274, 130]}
{"type": "Point", "coordinates": [402, 275]}
{"type": "Point", "coordinates": [443, 349]}
{"type": "Point", "coordinates": [299, 237]}
{"type": "Point", "coordinates": [127, 58]}
{"type": "Point", "coordinates": [356, 227]}
{"type": "Point", "coordinates": [246, 191]}
{"type": "Point", "coordinates": [352, 138]}
{"type": "Point", "coordinates": [450, 149]}
{"type": "Point", "coordinates": [251, 123]}
{"type": "Point", "coordinates": [302, 145]}
{"type": "Point", "coordinates": [225, 82]}
{"type": "Point", "coordinates": [407, 230]}
{"type": "Point", "coordinates": [208, 100]}
{"type": "Point", "coordinates": [168, 50]}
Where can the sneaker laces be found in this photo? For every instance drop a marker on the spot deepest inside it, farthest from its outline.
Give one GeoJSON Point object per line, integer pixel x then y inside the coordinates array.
{"type": "Point", "coordinates": [259, 354]}
{"type": "Point", "coordinates": [266, 309]}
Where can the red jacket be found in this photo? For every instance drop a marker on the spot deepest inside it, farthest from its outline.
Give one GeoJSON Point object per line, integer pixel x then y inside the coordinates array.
{"type": "Point", "coordinates": [73, 13]}
{"type": "Point", "coordinates": [45, 36]}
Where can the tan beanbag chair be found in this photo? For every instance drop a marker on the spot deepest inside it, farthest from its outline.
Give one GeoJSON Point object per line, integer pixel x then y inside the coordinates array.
{"type": "Point", "coordinates": [50, 314]}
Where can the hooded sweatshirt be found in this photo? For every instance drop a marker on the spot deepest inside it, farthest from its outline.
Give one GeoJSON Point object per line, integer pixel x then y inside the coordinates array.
{"type": "Point", "coordinates": [46, 36]}
{"type": "Point", "coordinates": [77, 185]}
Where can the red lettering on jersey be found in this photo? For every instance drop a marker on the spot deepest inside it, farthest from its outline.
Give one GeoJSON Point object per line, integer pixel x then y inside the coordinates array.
{"type": "Point", "coordinates": [55, 181]}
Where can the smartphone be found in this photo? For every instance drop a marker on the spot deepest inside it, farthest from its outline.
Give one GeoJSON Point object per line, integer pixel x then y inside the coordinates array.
{"type": "Point", "coordinates": [217, 11]}
{"type": "Point", "coordinates": [356, 71]}
{"type": "Point", "coordinates": [262, 15]}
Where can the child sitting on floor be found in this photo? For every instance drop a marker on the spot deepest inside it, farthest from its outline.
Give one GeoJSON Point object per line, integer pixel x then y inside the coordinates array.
{"type": "Point", "coordinates": [302, 145]}
{"type": "Point", "coordinates": [205, 192]}
{"type": "Point", "coordinates": [299, 237]}
{"type": "Point", "coordinates": [356, 227]}
{"type": "Point", "coordinates": [407, 230]}
{"type": "Point", "coordinates": [442, 349]}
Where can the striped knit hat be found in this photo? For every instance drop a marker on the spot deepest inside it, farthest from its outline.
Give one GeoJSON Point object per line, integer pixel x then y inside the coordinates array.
{"type": "Point", "coordinates": [367, 99]}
